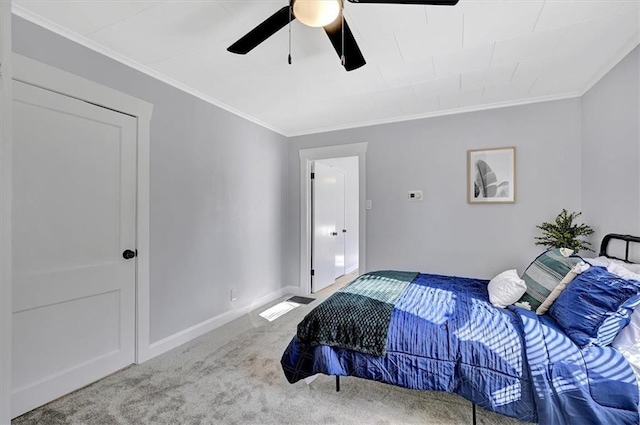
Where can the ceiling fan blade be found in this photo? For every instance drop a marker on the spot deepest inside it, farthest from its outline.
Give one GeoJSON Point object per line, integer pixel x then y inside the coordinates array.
{"type": "Point", "coordinates": [270, 26]}
{"type": "Point", "coordinates": [425, 2]}
{"type": "Point", "coordinates": [353, 58]}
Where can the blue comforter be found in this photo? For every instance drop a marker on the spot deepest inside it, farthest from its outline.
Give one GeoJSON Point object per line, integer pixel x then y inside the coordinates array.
{"type": "Point", "coordinates": [594, 385]}
{"type": "Point", "coordinates": [444, 335]}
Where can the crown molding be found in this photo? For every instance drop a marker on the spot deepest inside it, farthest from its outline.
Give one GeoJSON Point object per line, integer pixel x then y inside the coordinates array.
{"type": "Point", "coordinates": [443, 113]}
{"type": "Point", "coordinates": [24, 13]}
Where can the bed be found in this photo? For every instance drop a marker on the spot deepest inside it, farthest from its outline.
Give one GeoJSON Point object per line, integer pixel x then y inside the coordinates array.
{"type": "Point", "coordinates": [441, 333]}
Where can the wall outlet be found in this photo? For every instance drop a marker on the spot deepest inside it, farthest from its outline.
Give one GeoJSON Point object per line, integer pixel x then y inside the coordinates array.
{"type": "Point", "coordinates": [234, 294]}
{"type": "Point", "coordinates": [415, 195]}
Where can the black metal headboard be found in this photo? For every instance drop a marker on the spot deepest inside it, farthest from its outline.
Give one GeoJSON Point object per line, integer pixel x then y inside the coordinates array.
{"type": "Point", "coordinates": [628, 239]}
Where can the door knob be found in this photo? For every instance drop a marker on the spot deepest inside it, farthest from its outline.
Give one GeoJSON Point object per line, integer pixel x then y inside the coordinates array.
{"type": "Point", "coordinates": [128, 254]}
{"type": "Point", "coordinates": [334, 233]}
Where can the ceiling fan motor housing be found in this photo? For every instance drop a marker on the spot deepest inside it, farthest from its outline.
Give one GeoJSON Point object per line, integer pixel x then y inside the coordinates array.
{"type": "Point", "coordinates": [317, 13]}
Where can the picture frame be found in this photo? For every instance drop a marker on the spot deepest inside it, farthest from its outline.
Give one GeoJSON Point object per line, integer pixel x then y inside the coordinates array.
{"type": "Point", "coordinates": [491, 175]}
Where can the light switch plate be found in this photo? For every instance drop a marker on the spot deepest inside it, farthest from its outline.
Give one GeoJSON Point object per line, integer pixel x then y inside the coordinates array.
{"type": "Point", "coordinates": [415, 195]}
{"type": "Point", "coordinates": [369, 204]}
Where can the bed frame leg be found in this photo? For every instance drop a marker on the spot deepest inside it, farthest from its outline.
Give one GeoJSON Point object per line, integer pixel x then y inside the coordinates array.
{"type": "Point", "coordinates": [473, 404]}
{"type": "Point", "coordinates": [474, 414]}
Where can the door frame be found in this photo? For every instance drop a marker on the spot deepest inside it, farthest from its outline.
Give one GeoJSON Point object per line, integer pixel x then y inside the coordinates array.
{"type": "Point", "coordinates": [6, 100]}
{"type": "Point", "coordinates": [53, 79]}
{"type": "Point", "coordinates": [307, 156]}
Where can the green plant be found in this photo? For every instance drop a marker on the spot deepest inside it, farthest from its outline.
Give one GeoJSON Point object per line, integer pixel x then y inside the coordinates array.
{"type": "Point", "coordinates": [564, 233]}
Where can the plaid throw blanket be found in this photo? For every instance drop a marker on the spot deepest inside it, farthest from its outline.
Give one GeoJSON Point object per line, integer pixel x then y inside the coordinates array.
{"type": "Point", "coordinates": [357, 317]}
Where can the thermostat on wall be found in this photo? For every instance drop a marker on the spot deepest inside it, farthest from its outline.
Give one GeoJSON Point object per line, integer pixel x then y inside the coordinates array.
{"type": "Point", "coordinates": [415, 195]}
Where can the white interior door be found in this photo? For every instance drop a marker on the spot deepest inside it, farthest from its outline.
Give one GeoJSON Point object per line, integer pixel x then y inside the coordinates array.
{"type": "Point", "coordinates": [323, 200]}
{"type": "Point", "coordinates": [340, 225]}
{"type": "Point", "coordinates": [73, 216]}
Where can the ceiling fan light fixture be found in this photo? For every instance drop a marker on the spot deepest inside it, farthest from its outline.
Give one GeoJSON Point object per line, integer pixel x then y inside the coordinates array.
{"type": "Point", "coordinates": [317, 13]}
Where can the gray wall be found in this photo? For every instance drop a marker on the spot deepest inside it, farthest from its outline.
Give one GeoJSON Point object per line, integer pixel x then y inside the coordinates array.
{"type": "Point", "coordinates": [444, 234]}
{"type": "Point", "coordinates": [610, 157]}
{"type": "Point", "coordinates": [218, 191]}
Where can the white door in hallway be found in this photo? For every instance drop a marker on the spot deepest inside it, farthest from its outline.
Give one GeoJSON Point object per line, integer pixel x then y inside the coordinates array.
{"type": "Point", "coordinates": [324, 232]}
{"type": "Point", "coordinates": [340, 254]}
{"type": "Point", "coordinates": [74, 216]}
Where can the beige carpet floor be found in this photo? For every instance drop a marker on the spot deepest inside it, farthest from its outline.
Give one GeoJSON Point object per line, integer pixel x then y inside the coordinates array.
{"type": "Point", "coordinates": [232, 375]}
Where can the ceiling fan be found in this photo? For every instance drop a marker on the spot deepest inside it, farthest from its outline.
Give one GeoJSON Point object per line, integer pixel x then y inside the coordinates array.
{"type": "Point", "coordinates": [320, 13]}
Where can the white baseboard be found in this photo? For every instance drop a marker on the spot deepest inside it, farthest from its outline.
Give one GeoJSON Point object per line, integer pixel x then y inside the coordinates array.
{"type": "Point", "coordinates": [182, 337]}
{"type": "Point", "coordinates": [293, 290]}
{"type": "Point", "coordinates": [352, 269]}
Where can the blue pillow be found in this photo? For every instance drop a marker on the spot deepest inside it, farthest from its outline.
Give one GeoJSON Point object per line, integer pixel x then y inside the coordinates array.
{"type": "Point", "coordinates": [595, 306]}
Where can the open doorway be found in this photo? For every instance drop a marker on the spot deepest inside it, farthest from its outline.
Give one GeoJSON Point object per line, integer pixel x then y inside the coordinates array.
{"type": "Point", "coordinates": [307, 159]}
{"type": "Point", "coordinates": [334, 221]}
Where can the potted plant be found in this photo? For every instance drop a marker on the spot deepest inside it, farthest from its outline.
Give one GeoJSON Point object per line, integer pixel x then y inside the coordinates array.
{"type": "Point", "coordinates": [563, 233]}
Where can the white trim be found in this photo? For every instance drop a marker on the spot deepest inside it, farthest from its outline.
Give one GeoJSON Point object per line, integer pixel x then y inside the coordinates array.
{"type": "Point", "coordinates": [352, 269]}
{"type": "Point", "coordinates": [6, 99]}
{"type": "Point", "coordinates": [38, 74]}
{"type": "Point", "coordinates": [182, 337]}
{"type": "Point", "coordinates": [307, 156]}
{"type": "Point", "coordinates": [143, 310]}
{"type": "Point", "coordinates": [47, 77]}
{"type": "Point", "coordinates": [25, 13]}
{"type": "Point", "coordinates": [443, 113]}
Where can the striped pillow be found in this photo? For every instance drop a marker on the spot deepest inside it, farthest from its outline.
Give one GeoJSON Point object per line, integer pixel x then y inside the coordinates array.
{"type": "Point", "coordinates": [544, 274]}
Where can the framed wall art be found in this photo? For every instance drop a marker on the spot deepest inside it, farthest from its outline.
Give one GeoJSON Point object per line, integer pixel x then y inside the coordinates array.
{"type": "Point", "coordinates": [491, 176]}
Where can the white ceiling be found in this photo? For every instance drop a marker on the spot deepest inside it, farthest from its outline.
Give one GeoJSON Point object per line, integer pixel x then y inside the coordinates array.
{"type": "Point", "coordinates": [421, 60]}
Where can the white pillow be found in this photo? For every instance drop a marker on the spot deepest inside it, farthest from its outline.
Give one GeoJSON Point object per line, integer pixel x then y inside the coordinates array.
{"type": "Point", "coordinates": [605, 261]}
{"type": "Point", "coordinates": [598, 261]}
{"type": "Point", "coordinates": [506, 288]}
{"type": "Point", "coordinates": [623, 272]}
{"type": "Point", "coordinates": [634, 268]}
{"type": "Point", "coordinates": [628, 342]}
